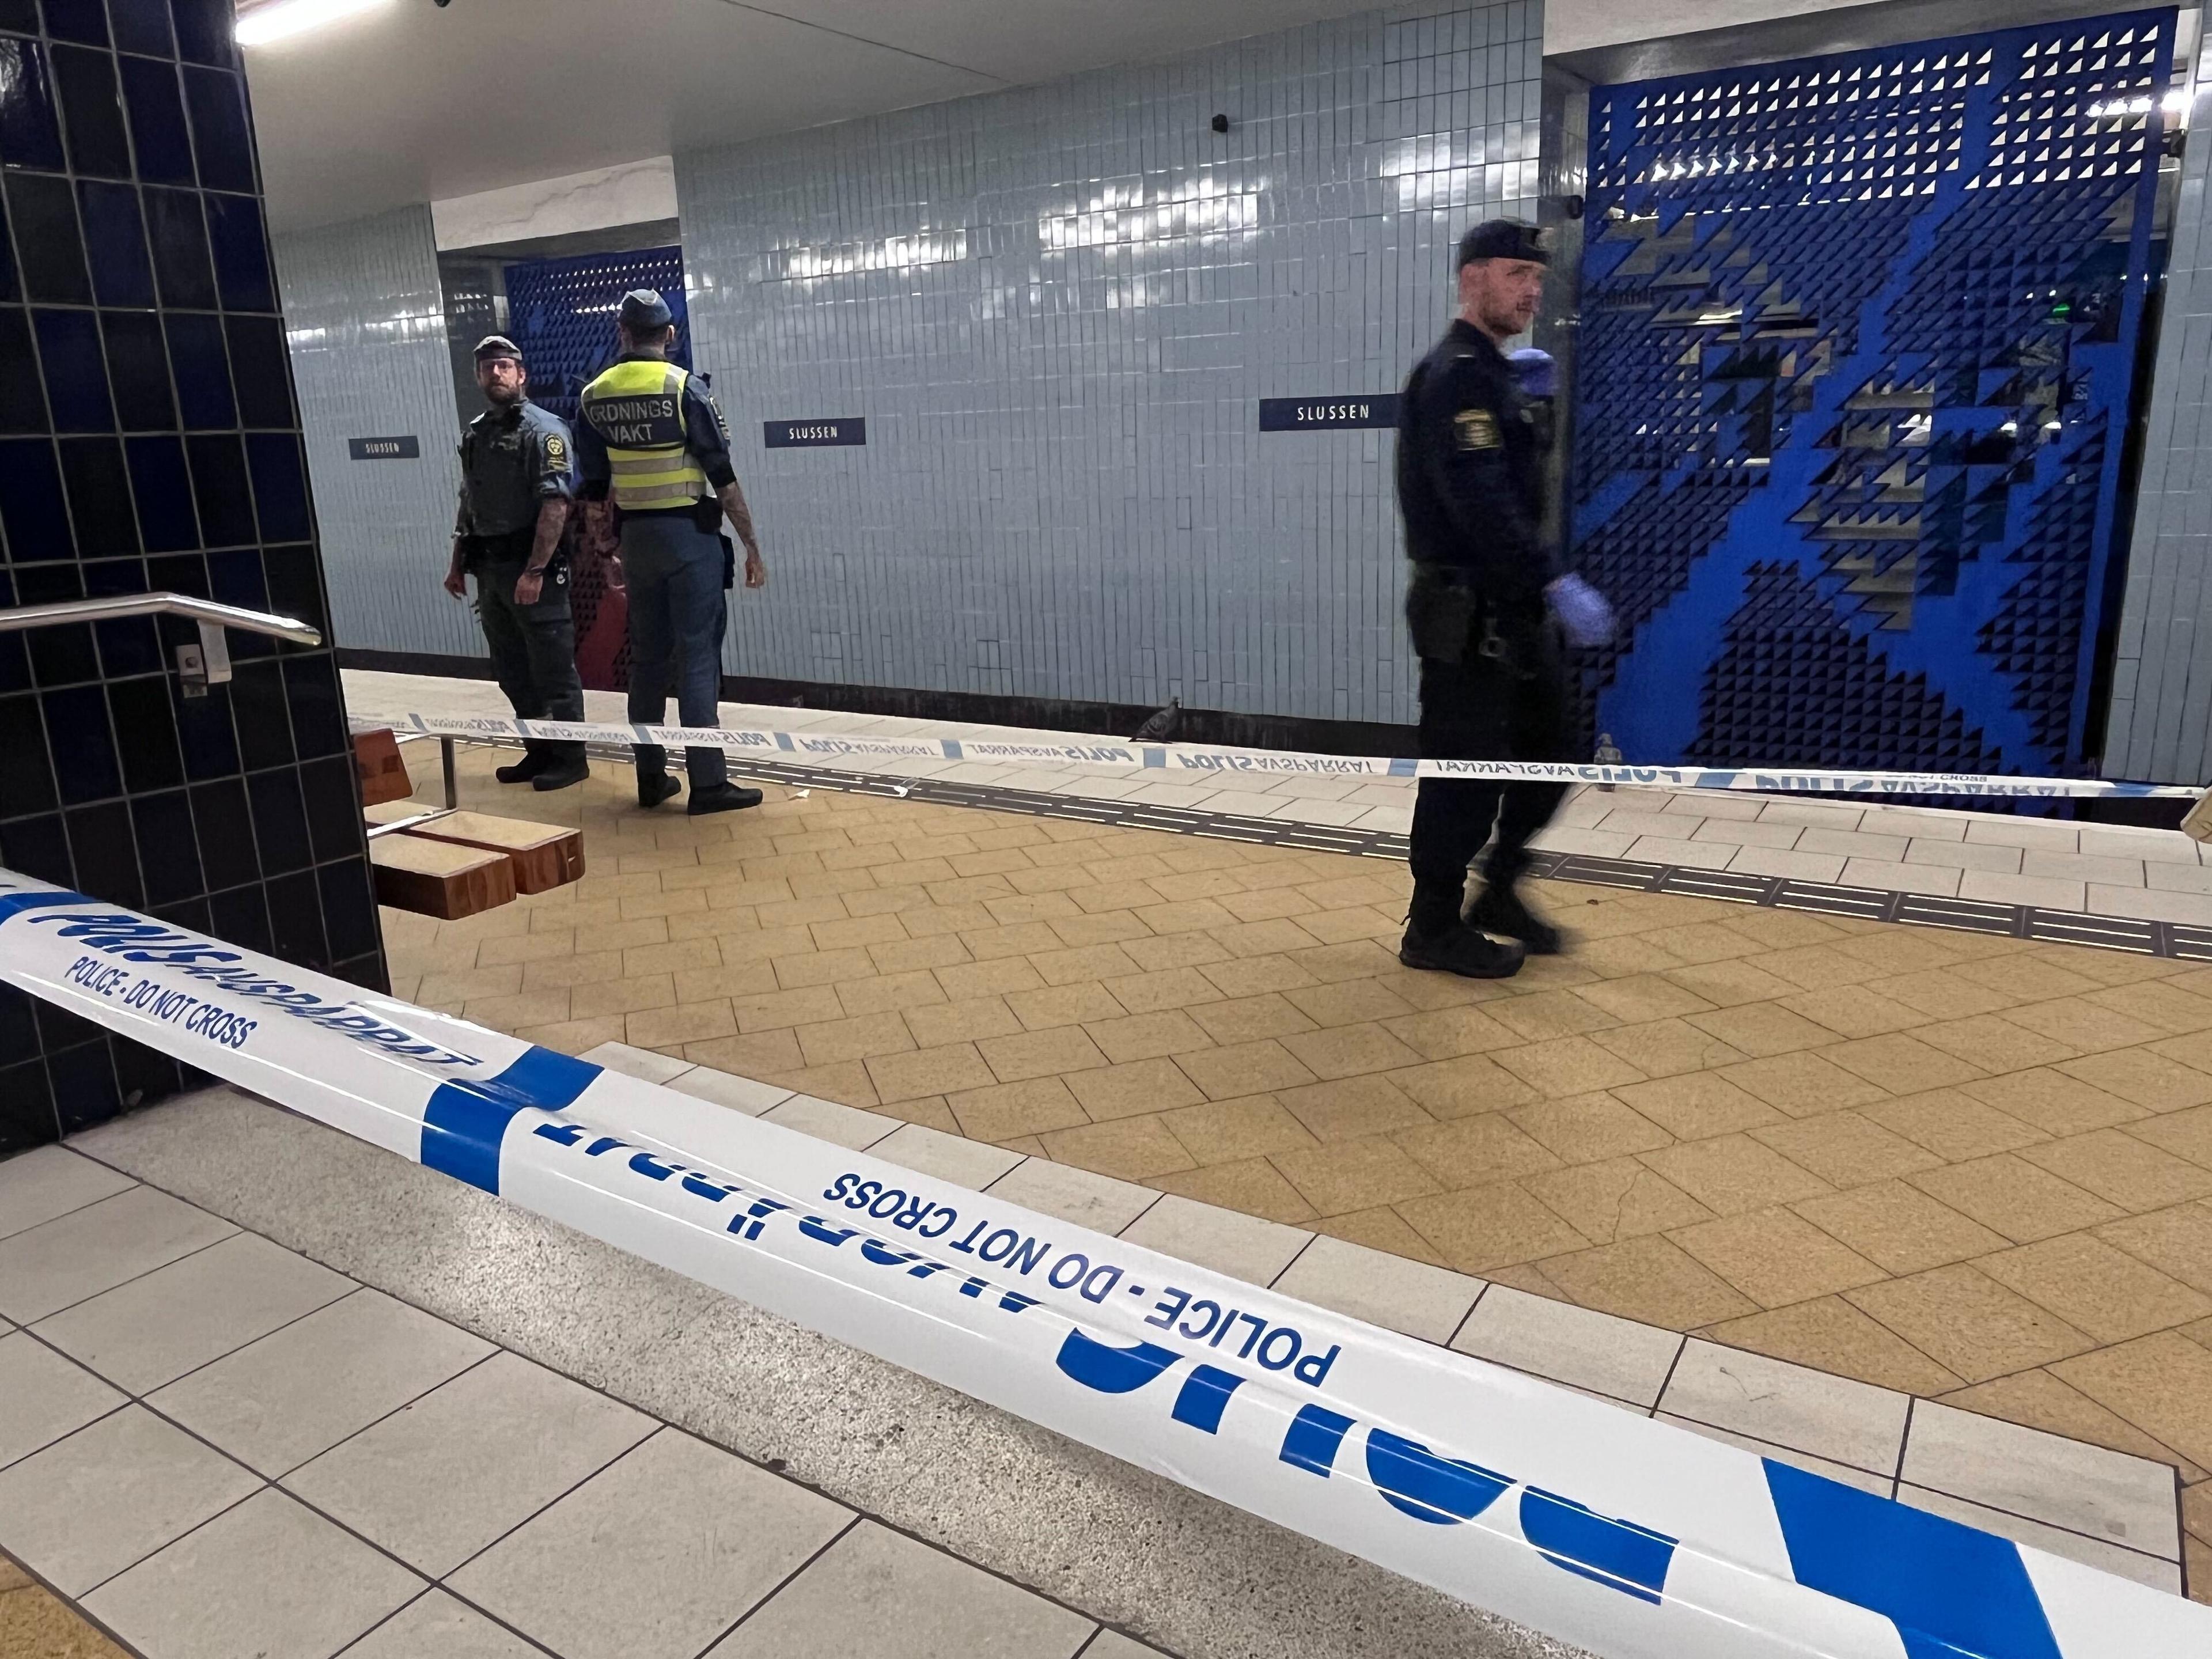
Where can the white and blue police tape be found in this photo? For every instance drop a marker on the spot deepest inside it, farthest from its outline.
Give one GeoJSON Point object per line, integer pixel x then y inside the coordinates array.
{"type": "Point", "coordinates": [1625, 1536]}
{"type": "Point", "coordinates": [854, 751]}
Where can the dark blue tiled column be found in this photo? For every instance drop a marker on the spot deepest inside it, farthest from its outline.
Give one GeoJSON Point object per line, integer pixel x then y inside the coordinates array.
{"type": "Point", "coordinates": [149, 439]}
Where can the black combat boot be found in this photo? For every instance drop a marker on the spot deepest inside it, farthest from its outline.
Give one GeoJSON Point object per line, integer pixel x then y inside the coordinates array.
{"type": "Point", "coordinates": [654, 788]}
{"type": "Point", "coordinates": [1438, 940]}
{"type": "Point", "coordinates": [722, 797]}
{"type": "Point", "coordinates": [1499, 908]}
{"type": "Point", "coordinates": [534, 760]}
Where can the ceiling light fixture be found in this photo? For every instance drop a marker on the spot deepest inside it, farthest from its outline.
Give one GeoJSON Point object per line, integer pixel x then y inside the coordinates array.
{"type": "Point", "coordinates": [278, 20]}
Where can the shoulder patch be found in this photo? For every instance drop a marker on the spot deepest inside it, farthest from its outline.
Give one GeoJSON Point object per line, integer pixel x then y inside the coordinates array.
{"type": "Point", "coordinates": [1475, 429]}
{"type": "Point", "coordinates": [556, 451]}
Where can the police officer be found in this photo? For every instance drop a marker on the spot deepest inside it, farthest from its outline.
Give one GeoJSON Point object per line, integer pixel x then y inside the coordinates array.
{"type": "Point", "coordinates": [652, 438]}
{"type": "Point", "coordinates": [517, 477]}
{"type": "Point", "coordinates": [1486, 605]}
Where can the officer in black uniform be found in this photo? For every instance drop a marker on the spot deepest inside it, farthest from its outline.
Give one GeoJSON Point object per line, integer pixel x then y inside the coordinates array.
{"type": "Point", "coordinates": [1486, 605]}
{"type": "Point", "coordinates": [518, 476]}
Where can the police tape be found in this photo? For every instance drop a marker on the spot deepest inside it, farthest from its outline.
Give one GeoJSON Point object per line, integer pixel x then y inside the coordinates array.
{"type": "Point", "coordinates": [853, 752]}
{"type": "Point", "coordinates": [1620, 1534]}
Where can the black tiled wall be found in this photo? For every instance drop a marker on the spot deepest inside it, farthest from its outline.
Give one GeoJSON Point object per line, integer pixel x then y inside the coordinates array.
{"type": "Point", "coordinates": [149, 439]}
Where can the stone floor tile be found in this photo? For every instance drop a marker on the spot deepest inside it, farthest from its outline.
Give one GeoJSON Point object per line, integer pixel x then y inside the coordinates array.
{"type": "Point", "coordinates": [1129, 1148]}
{"type": "Point", "coordinates": [1558, 1340]}
{"type": "Point", "coordinates": [1468, 1152]}
{"type": "Point", "coordinates": [86, 1507]}
{"type": "Point", "coordinates": [1776, 1257]}
{"type": "Point", "coordinates": [2122, 1169]}
{"type": "Point", "coordinates": [1448, 1089]}
{"type": "Point", "coordinates": [1698, 1106]}
{"type": "Point", "coordinates": [2053, 1100]}
{"type": "Point", "coordinates": [739, 1094]}
{"type": "Point", "coordinates": [1366, 1173]}
{"type": "Point", "coordinates": [1491, 1227]}
{"type": "Point", "coordinates": [1762, 1029]}
{"type": "Point", "coordinates": [1587, 1128]}
{"type": "Point", "coordinates": [59, 1262]}
{"type": "Point", "coordinates": [1835, 1418]}
{"type": "Point", "coordinates": [2009, 1195]}
{"type": "Point", "coordinates": [1899, 1227]}
{"type": "Point", "coordinates": [1802, 1083]}
{"type": "Point", "coordinates": [436, 1626]}
{"type": "Point", "coordinates": [2176, 1241]}
{"type": "Point", "coordinates": [1650, 1280]}
{"type": "Point", "coordinates": [875, 1591]}
{"type": "Point", "coordinates": [2063, 1483]}
{"type": "Point", "coordinates": [155, 1329]}
{"type": "Point", "coordinates": [1952, 1125]}
{"type": "Point", "coordinates": [1251, 1187]}
{"type": "Point", "coordinates": [684, 1539]}
{"type": "Point", "coordinates": [1991, 1043]}
{"type": "Point", "coordinates": [1095, 1201]}
{"type": "Point", "coordinates": [917, 1072]}
{"type": "Point", "coordinates": [826, 1119]}
{"type": "Point", "coordinates": [1246, 1068]}
{"type": "Point", "coordinates": [2088, 1027]}
{"type": "Point", "coordinates": [1846, 1148]}
{"type": "Point", "coordinates": [48, 1397]}
{"type": "Point", "coordinates": [1410, 1297]}
{"type": "Point", "coordinates": [297, 1392]}
{"type": "Point", "coordinates": [1734, 1173]}
{"type": "Point", "coordinates": [499, 1441]}
{"type": "Point", "coordinates": [2161, 1383]}
{"type": "Point", "coordinates": [2154, 903]}
{"type": "Point", "coordinates": [1567, 1066]}
{"type": "Point", "coordinates": [270, 1576]}
{"type": "Point", "coordinates": [1969, 1323]}
{"type": "Point", "coordinates": [2038, 1399]}
{"type": "Point", "coordinates": [1242, 1246]}
{"type": "Point", "coordinates": [1008, 1109]}
{"type": "Point", "coordinates": [965, 1162]}
{"type": "Point", "coordinates": [47, 1182]}
{"type": "Point", "coordinates": [1831, 1335]}
{"type": "Point", "coordinates": [1353, 1107]}
{"type": "Point", "coordinates": [1730, 984]}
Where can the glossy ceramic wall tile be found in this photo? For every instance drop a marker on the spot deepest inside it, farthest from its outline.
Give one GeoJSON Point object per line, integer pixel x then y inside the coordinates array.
{"type": "Point", "coordinates": [2159, 727]}
{"type": "Point", "coordinates": [149, 440]}
{"type": "Point", "coordinates": [367, 321]}
{"type": "Point", "coordinates": [1058, 309]}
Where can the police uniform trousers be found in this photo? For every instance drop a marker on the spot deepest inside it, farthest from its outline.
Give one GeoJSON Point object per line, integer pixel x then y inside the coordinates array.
{"type": "Point", "coordinates": [534, 646]}
{"type": "Point", "coordinates": [1501, 695]}
{"type": "Point", "coordinates": [678, 606]}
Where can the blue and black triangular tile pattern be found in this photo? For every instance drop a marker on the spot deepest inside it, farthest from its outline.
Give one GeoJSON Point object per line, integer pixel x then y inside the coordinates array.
{"type": "Point", "coordinates": [1856, 330]}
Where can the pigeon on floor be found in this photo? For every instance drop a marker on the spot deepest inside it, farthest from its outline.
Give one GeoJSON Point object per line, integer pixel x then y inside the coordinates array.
{"type": "Point", "coordinates": [1161, 726]}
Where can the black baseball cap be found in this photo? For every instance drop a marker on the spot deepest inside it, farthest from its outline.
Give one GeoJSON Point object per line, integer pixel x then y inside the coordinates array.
{"type": "Point", "coordinates": [642, 308]}
{"type": "Point", "coordinates": [1506, 238]}
{"type": "Point", "coordinates": [497, 345]}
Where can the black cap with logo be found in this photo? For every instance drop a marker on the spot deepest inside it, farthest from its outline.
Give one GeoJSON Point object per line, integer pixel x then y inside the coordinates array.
{"type": "Point", "coordinates": [1506, 238]}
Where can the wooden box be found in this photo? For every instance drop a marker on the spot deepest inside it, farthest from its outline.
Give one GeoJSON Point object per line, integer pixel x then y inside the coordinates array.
{"type": "Point", "coordinates": [545, 855]}
{"type": "Point", "coordinates": [383, 773]}
{"type": "Point", "coordinates": [437, 878]}
{"type": "Point", "coordinates": [395, 811]}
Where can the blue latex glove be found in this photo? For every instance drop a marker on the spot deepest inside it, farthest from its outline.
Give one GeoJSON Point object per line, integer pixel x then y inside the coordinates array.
{"type": "Point", "coordinates": [1582, 610]}
{"type": "Point", "coordinates": [1533, 372]}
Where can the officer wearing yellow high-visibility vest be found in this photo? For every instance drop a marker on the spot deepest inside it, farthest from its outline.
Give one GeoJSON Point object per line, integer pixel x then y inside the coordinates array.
{"type": "Point", "coordinates": [651, 438]}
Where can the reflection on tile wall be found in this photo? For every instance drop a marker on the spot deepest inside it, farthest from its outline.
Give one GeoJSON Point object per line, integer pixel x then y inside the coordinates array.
{"type": "Point", "coordinates": [2159, 727]}
{"type": "Point", "coordinates": [1057, 309]}
{"type": "Point", "coordinates": [368, 326]}
{"type": "Point", "coordinates": [147, 440]}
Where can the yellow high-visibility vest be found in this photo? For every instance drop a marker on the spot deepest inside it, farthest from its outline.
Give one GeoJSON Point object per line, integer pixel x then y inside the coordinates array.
{"type": "Point", "coordinates": [637, 407]}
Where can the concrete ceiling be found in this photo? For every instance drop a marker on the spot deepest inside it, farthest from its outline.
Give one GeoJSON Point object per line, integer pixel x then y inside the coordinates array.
{"type": "Point", "coordinates": [414, 102]}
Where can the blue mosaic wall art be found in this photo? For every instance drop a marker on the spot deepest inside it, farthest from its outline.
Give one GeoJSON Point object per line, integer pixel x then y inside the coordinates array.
{"type": "Point", "coordinates": [1859, 335]}
{"type": "Point", "coordinates": [561, 314]}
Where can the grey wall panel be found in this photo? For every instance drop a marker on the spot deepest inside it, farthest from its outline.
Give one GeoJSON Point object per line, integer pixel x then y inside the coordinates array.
{"type": "Point", "coordinates": [2157, 727]}
{"type": "Point", "coordinates": [368, 329]}
{"type": "Point", "coordinates": [1058, 308]}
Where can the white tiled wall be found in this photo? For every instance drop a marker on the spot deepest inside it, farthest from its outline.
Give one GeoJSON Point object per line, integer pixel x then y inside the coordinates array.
{"type": "Point", "coordinates": [368, 333]}
{"type": "Point", "coordinates": [1057, 308]}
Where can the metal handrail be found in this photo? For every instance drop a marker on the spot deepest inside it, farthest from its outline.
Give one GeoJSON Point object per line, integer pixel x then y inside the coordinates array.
{"type": "Point", "coordinates": [14, 619]}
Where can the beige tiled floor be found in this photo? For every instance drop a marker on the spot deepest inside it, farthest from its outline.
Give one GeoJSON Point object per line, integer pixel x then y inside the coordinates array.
{"type": "Point", "coordinates": [1976, 1169]}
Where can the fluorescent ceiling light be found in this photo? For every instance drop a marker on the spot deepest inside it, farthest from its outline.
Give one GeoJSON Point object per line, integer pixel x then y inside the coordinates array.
{"type": "Point", "coordinates": [274, 20]}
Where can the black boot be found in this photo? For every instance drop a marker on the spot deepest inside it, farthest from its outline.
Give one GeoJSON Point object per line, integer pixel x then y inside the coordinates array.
{"type": "Point", "coordinates": [534, 760]}
{"type": "Point", "coordinates": [1438, 940]}
{"type": "Point", "coordinates": [722, 797]}
{"type": "Point", "coordinates": [564, 772]}
{"type": "Point", "coordinates": [654, 788]}
{"type": "Point", "coordinates": [1499, 908]}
